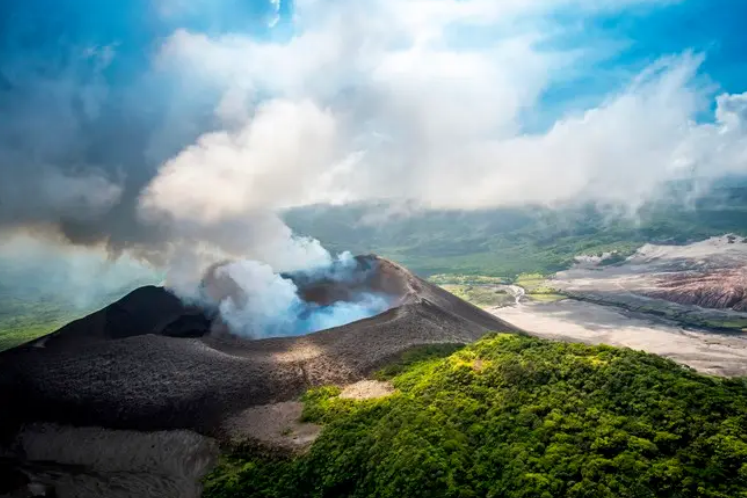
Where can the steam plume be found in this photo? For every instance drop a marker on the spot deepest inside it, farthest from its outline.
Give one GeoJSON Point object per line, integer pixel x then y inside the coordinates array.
{"type": "Point", "coordinates": [255, 301]}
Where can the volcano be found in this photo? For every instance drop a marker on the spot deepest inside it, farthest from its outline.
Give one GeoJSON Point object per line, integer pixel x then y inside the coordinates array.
{"type": "Point", "coordinates": [150, 362]}
{"type": "Point", "coordinates": [149, 371]}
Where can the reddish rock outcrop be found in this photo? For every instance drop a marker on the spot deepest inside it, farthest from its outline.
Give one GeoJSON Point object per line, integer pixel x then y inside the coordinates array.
{"type": "Point", "coordinates": [720, 289]}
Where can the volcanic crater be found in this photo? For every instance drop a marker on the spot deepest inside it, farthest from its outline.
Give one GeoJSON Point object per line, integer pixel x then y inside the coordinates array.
{"type": "Point", "coordinates": [149, 362]}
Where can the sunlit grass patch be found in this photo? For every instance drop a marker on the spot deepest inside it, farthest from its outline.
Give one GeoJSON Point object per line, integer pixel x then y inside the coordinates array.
{"type": "Point", "coordinates": [550, 297]}
{"type": "Point", "coordinates": [485, 296]}
{"type": "Point", "coordinates": [10, 338]}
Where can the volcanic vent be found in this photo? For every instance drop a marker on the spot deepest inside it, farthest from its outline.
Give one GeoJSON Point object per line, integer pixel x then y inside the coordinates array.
{"type": "Point", "coordinates": [249, 300]}
{"type": "Point", "coordinates": [150, 362]}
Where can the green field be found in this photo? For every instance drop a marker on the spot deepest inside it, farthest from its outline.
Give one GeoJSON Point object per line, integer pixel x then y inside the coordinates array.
{"type": "Point", "coordinates": [31, 313]}
{"type": "Point", "coordinates": [547, 297]}
{"type": "Point", "coordinates": [25, 319]}
{"type": "Point", "coordinates": [456, 279]}
{"type": "Point", "coordinates": [43, 288]}
{"type": "Point", "coordinates": [734, 324]}
{"type": "Point", "coordinates": [480, 290]}
{"type": "Point", "coordinates": [514, 417]}
{"type": "Point", "coordinates": [11, 337]}
{"type": "Point", "coordinates": [482, 296]}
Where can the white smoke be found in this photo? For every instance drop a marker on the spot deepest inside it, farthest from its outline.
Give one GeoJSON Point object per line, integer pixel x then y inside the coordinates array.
{"type": "Point", "coordinates": [344, 312]}
{"type": "Point", "coordinates": [83, 279]}
{"type": "Point", "coordinates": [228, 174]}
{"type": "Point", "coordinates": [255, 301]}
{"type": "Point", "coordinates": [267, 304]}
{"type": "Point", "coordinates": [217, 197]}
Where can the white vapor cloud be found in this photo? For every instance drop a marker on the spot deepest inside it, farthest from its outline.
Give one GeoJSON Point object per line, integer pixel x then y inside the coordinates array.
{"type": "Point", "coordinates": [271, 159]}
{"type": "Point", "coordinates": [401, 100]}
{"type": "Point", "coordinates": [207, 192]}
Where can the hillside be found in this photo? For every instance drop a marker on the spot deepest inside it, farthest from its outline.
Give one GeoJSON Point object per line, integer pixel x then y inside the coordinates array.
{"type": "Point", "coordinates": [95, 408]}
{"type": "Point", "coordinates": [512, 416]}
{"type": "Point", "coordinates": [510, 241]}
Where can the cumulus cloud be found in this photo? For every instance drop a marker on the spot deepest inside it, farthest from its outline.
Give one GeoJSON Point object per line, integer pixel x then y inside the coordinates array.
{"type": "Point", "coordinates": [413, 111]}
{"type": "Point", "coordinates": [422, 102]}
{"type": "Point", "coordinates": [731, 112]}
{"type": "Point", "coordinates": [274, 157]}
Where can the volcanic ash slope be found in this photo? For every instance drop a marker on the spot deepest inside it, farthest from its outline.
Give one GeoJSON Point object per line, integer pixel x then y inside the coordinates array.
{"type": "Point", "coordinates": [147, 362]}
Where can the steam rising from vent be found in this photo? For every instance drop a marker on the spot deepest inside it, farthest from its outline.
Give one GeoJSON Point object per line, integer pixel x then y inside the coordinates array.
{"type": "Point", "coordinates": [255, 301]}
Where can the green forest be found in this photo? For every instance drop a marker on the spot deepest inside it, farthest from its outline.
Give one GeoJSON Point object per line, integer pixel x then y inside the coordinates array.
{"type": "Point", "coordinates": [514, 417]}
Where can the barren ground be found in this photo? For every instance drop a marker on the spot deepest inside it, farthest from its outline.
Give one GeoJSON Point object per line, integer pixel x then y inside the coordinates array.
{"type": "Point", "coordinates": [118, 368]}
{"type": "Point", "coordinates": [91, 462]}
{"type": "Point", "coordinates": [702, 284]}
{"type": "Point", "coordinates": [367, 389]}
{"type": "Point", "coordinates": [708, 352]}
{"type": "Point", "coordinates": [277, 425]}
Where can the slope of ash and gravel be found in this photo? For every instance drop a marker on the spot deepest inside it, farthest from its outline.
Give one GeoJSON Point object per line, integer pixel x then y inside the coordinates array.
{"type": "Point", "coordinates": [92, 462]}
{"type": "Point", "coordinates": [148, 362]}
{"type": "Point", "coordinates": [710, 274]}
{"type": "Point", "coordinates": [704, 283]}
{"type": "Point", "coordinates": [126, 402]}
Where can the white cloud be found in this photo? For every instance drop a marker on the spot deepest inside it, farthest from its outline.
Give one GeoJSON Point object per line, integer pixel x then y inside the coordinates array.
{"type": "Point", "coordinates": [378, 102]}
{"type": "Point", "coordinates": [732, 112]}
{"type": "Point", "coordinates": [275, 157]}
{"type": "Point", "coordinates": [223, 188]}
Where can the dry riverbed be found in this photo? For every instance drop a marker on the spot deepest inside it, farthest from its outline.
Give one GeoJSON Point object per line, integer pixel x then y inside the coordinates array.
{"type": "Point", "coordinates": [709, 352]}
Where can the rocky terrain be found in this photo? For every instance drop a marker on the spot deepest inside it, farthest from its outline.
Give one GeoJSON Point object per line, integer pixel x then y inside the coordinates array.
{"type": "Point", "coordinates": [720, 289]}
{"type": "Point", "coordinates": [710, 274]}
{"type": "Point", "coordinates": [703, 284]}
{"type": "Point", "coordinates": [92, 462]}
{"type": "Point", "coordinates": [147, 361]}
{"type": "Point", "coordinates": [709, 352]}
{"type": "Point", "coordinates": [150, 363]}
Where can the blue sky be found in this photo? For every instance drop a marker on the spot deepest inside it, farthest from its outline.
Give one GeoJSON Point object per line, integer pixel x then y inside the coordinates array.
{"type": "Point", "coordinates": [638, 37]}
{"type": "Point", "coordinates": [634, 37]}
{"type": "Point", "coordinates": [714, 27]}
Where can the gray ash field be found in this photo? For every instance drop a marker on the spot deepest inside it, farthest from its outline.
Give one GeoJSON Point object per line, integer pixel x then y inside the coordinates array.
{"type": "Point", "coordinates": [703, 284]}
{"type": "Point", "coordinates": [147, 362]}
